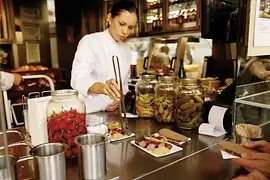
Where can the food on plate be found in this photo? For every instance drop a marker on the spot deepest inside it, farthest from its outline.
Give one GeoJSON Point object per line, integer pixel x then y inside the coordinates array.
{"type": "Point", "coordinates": [234, 149]}
{"type": "Point", "coordinates": [248, 130]}
{"type": "Point", "coordinates": [115, 131]}
{"type": "Point", "coordinates": [156, 144]}
{"type": "Point", "coordinates": [30, 68]}
{"type": "Point", "coordinates": [172, 136]}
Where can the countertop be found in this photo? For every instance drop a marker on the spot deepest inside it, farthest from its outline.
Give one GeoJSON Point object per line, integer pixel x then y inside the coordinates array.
{"type": "Point", "coordinates": [200, 158]}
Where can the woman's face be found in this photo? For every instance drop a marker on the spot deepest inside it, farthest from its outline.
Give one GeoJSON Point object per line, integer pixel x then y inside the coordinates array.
{"type": "Point", "coordinates": [122, 25]}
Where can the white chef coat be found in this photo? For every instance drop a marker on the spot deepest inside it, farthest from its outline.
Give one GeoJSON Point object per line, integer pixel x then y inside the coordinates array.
{"type": "Point", "coordinates": [93, 63]}
{"type": "Point", "coordinates": [7, 80]}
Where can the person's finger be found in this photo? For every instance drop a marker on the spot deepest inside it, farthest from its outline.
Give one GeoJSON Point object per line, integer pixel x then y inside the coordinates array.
{"type": "Point", "coordinates": [113, 82]}
{"type": "Point", "coordinates": [255, 144]}
{"type": "Point", "coordinates": [115, 91]}
{"type": "Point", "coordinates": [110, 93]}
{"type": "Point", "coordinates": [256, 156]}
{"type": "Point", "coordinates": [244, 162]}
{"type": "Point", "coordinates": [256, 175]}
{"type": "Point", "coordinates": [241, 177]}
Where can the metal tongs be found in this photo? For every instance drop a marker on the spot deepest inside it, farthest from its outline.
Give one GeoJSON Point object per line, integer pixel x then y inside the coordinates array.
{"type": "Point", "coordinates": [122, 107]}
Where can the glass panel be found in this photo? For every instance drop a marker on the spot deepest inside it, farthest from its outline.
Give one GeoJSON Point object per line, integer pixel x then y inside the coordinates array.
{"type": "Point", "coordinates": [182, 14]}
{"type": "Point", "coordinates": [154, 19]}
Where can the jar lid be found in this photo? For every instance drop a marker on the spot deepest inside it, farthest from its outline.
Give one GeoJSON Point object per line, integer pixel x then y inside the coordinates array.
{"type": "Point", "coordinates": [167, 78]}
{"type": "Point", "coordinates": [148, 77]}
{"type": "Point", "coordinates": [94, 120]}
{"type": "Point", "coordinates": [189, 81]}
{"type": "Point", "coordinates": [65, 92]}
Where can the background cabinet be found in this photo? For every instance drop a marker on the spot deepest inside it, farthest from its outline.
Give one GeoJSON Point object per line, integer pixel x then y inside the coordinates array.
{"type": "Point", "coordinates": [6, 27]}
{"type": "Point", "coordinates": [159, 16]}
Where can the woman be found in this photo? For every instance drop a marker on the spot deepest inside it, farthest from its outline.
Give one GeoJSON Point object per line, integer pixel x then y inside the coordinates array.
{"type": "Point", "coordinates": [92, 70]}
{"type": "Point", "coordinates": [7, 80]}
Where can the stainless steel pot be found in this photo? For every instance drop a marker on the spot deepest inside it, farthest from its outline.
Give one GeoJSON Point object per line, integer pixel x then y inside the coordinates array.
{"type": "Point", "coordinates": [13, 136]}
{"type": "Point", "coordinates": [3, 168]}
{"type": "Point", "coordinates": [50, 161]}
{"type": "Point", "coordinates": [91, 155]}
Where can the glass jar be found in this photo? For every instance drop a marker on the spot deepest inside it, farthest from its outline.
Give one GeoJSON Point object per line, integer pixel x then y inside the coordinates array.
{"type": "Point", "coordinates": [189, 104]}
{"type": "Point", "coordinates": [165, 95]}
{"type": "Point", "coordinates": [145, 95]}
{"type": "Point", "coordinates": [96, 124]}
{"type": "Point", "coordinates": [66, 119]}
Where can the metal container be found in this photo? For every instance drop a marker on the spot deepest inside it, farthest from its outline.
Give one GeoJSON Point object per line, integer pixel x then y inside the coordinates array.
{"type": "Point", "coordinates": [19, 149]}
{"type": "Point", "coordinates": [13, 136]}
{"type": "Point", "coordinates": [3, 169]}
{"type": "Point", "coordinates": [240, 139]}
{"type": "Point", "coordinates": [50, 161]}
{"type": "Point", "coordinates": [91, 155]}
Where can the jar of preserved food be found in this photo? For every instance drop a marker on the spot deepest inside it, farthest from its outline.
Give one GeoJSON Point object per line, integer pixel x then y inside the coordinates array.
{"type": "Point", "coordinates": [189, 104]}
{"type": "Point", "coordinates": [66, 119]}
{"type": "Point", "coordinates": [145, 95]}
{"type": "Point", "coordinates": [165, 95]}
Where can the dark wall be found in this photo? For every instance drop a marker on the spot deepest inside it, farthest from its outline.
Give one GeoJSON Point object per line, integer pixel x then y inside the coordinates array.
{"type": "Point", "coordinates": [69, 15]}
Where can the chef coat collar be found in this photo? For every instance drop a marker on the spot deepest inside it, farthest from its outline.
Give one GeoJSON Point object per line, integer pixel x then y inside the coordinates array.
{"type": "Point", "coordinates": [110, 37]}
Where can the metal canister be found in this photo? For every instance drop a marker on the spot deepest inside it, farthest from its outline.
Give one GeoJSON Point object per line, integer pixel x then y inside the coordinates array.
{"type": "Point", "coordinates": [91, 155]}
{"type": "Point", "coordinates": [3, 169]}
{"type": "Point", "coordinates": [50, 161]}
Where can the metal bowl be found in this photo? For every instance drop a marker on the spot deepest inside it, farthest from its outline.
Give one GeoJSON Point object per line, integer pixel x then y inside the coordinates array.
{"type": "Point", "coordinates": [240, 139]}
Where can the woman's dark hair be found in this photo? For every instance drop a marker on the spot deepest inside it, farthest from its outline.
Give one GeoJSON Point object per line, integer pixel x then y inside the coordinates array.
{"type": "Point", "coordinates": [123, 5]}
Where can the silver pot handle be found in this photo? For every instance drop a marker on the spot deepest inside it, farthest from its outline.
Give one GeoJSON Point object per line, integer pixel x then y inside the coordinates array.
{"type": "Point", "coordinates": [25, 158]}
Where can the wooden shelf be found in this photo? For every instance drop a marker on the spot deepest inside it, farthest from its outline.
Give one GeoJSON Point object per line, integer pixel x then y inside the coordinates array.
{"type": "Point", "coordinates": [5, 41]}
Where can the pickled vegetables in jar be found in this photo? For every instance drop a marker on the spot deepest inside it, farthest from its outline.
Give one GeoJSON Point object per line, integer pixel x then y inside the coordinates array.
{"type": "Point", "coordinates": [165, 96]}
{"type": "Point", "coordinates": [145, 95]}
{"type": "Point", "coordinates": [189, 105]}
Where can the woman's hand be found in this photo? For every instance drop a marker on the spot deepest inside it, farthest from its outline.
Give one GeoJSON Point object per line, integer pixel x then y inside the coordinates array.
{"type": "Point", "coordinates": [262, 146]}
{"type": "Point", "coordinates": [112, 107]}
{"type": "Point", "coordinates": [112, 89]}
{"type": "Point", "coordinates": [255, 161]}
{"type": "Point", "coordinates": [254, 175]}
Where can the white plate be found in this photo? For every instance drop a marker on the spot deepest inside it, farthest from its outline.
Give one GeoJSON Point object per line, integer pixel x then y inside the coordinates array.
{"type": "Point", "coordinates": [129, 115]}
{"type": "Point", "coordinates": [124, 137]}
{"type": "Point", "coordinates": [174, 149]}
{"type": "Point", "coordinates": [180, 143]}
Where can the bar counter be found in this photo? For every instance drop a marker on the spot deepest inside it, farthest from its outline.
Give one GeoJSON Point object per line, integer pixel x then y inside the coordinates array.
{"type": "Point", "coordinates": [200, 158]}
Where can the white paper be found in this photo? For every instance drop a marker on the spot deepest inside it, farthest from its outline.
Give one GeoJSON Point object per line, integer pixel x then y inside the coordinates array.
{"type": "Point", "coordinates": [173, 150]}
{"type": "Point", "coordinates": [215, 117]}
{"type": "Point", "coordinates": [262, 24]}
{"type": "Point", "coordinates": [124, 137]}
{"type": "Point", "coordinates": [129, 115]}
{"type": "Point", "coordinates": [37, 120]}
{"type": "Point", "coordinates": [226, 155]}
{"type": "Point", "coordinates": [210, 130]}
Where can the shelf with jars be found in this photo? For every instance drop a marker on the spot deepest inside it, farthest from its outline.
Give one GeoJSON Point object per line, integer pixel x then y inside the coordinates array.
{"type": "Point", "coordinates": [162, 16]}
{"type": "Point", "coordinates": [6, 27]}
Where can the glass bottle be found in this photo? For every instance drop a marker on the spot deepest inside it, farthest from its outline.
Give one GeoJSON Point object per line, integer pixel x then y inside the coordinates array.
{"type": "Point", "coordinates": [145, 95]}
{"type": "Point", "coordinates": [189, 104]}
{"type": "Point", "coordinates": [66, 119]}
{"type": "Point", "coordinates": [182, 73]}
{"type": "Point", "coordinates": [165, 95]}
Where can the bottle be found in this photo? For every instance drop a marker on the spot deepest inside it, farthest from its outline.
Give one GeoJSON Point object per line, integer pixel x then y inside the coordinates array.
{"type": "Point", "coordinates": [182, 73]}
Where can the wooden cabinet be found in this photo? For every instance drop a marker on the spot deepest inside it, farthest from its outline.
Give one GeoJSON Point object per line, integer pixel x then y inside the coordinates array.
{"type": "Point", "coordinates": [161, 16]}
{"type": "Point", "coordinates": [6, 25]}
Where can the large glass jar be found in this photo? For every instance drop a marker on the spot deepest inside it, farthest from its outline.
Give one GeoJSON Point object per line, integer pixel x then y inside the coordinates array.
{"type": "Point", "coordinates": [145, 95]}
{"type": "Point", "coordinates": [189, 104]}
{"type": "Point", "coordinates": [165, 95]}
{"type": "Point", "coordinates": [66, 119]}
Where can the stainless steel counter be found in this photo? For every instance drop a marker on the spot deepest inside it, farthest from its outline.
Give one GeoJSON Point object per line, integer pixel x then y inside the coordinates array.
{"type": "Point", "coordinates": [200, 158]}
{"type": "Point", "coordinates": [129, 162]}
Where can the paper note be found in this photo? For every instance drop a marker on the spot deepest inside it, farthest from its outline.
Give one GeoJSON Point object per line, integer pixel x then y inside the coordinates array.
{"type": "Point", "coordinates": [226, 155]}
{"type": "Point", "coordinates": [215, 117]}
{"type": "Point", "coordinates": [210, 130]}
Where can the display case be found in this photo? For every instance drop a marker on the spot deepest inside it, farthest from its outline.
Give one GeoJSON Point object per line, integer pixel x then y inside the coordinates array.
{"type": "Point", "coordinates": [169, 15]}
{"type": "Point", "coordinates": [252, 104]}
{"type": "Point", "coordinates": [6, 27]}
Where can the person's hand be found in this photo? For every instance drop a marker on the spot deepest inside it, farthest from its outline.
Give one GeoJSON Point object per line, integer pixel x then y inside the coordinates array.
{"type": "Point", "coordinates": [17, 79]}
{"type": "Point", "coordinates": [112, 89]}
{"type": "Point", "coordinates": [262, 146]}
{"type": "Point", "coordinates": [254, 175]}
{"type": "Point", "coordinates": [255, 161]}
{"type": "Point", "coordinates": [112, 107]}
